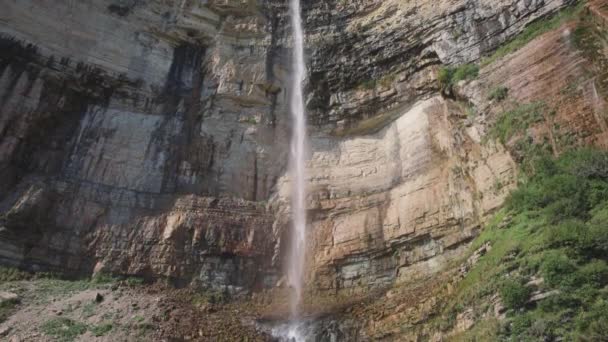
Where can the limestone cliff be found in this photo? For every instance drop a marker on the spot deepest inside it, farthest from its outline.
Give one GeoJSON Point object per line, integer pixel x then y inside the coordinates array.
{"type": "Point", "coordinates": [150, 138]}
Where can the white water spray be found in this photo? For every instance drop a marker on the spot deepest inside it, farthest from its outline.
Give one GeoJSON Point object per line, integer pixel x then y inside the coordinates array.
{"type": "Point", "coordinates": [297, 163]}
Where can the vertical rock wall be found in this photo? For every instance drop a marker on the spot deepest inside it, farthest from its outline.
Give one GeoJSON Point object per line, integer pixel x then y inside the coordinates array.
{"type": "Point", "coordinates": [151, 138]}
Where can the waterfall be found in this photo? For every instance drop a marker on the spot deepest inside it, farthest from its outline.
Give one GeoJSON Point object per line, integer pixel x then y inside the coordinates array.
{"type": "Point", "coordinates": [297, 169]}
{"type": "Point", "coordinates": [297, 162]}
{"type": "Point", "coordinates": [295, 329]}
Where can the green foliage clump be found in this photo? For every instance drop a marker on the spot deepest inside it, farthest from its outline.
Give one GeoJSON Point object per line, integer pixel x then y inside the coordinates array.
{"type": "Point", "coordinates": [514, 294]}
{"type": "Point", "coordinates": [101, 329]}
{"type": "Point", "coordinates": [12, 274]}
{"type": "Point", "coordinates": [450, 76]}
{"type": "Point", "coordinates": [63, 329]}
{"type": "Point", "coordinates": [103, 278]}
{"type": "Point", "coordinates": [499, 94]}
{"type": "Point", "coordinates": [517, 120]}
{"type": "Point", "coordinates": [386, 81]}
{"type": "Point", "coordinates": [134, 281]}
{"type": "Point", "coordinates": [7, 307]}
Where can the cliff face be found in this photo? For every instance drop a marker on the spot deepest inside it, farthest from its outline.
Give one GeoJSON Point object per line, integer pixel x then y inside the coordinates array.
{"type": "Point", "coordinates": [151, 138]}
{"type": "Point", "coordinates": [141, 138]}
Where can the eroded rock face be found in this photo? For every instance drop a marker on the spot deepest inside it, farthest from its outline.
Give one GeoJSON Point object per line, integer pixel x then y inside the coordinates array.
{"type": "Point", "coordinates": [151, 138]}
{"type": "Point", "coordinates": [140, 139]}
{"type": "Point", "coordinates": [372, 58]}
{"type": "Point", "coordinates": [397, 204]}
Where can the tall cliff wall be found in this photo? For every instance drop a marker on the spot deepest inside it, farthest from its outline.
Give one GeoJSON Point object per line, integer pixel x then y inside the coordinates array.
{"type": "Point", "coordinates": [151, 138]}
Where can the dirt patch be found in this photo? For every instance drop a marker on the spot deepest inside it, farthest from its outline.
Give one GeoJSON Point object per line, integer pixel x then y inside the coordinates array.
{"type": "Point", "coordinates": [57, 310]}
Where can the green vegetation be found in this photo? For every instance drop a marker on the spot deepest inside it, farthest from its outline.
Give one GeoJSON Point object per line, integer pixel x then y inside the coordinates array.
{"type": "Point", "coordinates": [450, 76]}
{"type": "Point", "coordinates": [368, 84]}
{"type": "Point", "coordinates": [210, 297]}
{"type": "Point", "coordinates": [534, 30]}
{"type": "Point", "coordinates": [12, 274]}
{"type": "Point", "coordinates": [66, 329]}
{"type": "Point", "coordinates": [250, 120]}
{"type": "Point", "coordinates": [386, 81]}
{"type": "Point", "coordinates": [88, 310]}
{"type": "Point", "coordinates": [7, 307]}
{"type": "Point", "coordinates": [52, 287]}
{"type": "Point", "coordinates": [470, 110]}
{"type": "Point", "coordinates": [141, 327]}
{"type": "Point", "coordinates": [103, 278]}
{"type": "Point", "coordinates": [554, 227]}
{"type": "Point", "coordinates": [499, 94]}
{"type": "Point", "coordinates": [514, 294]}
{"type": "Point", "coordinates": [515, 121]}
{"type": "Point", "coordinates": [63, 329]}
{"type": "Point", "coordinates": [102, 329]}
{"type": "Point", "coordinates": [134, 281]}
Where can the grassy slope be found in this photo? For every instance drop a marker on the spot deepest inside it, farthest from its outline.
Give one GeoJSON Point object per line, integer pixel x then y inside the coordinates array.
{"type": "Point", "coordinates": [551, 239]}
{"type": "Point", "coordinates": [554, 228]}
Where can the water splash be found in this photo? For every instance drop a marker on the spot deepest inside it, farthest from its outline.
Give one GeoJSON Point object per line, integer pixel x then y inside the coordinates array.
{"type": "Point", "coordinates": [293, 331]}
{"type": "Point", "coordinates": [300, 331]}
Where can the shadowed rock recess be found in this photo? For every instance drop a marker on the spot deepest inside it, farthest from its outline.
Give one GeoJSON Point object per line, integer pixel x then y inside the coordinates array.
{"type": "Point", "coordinates": [151, 138]}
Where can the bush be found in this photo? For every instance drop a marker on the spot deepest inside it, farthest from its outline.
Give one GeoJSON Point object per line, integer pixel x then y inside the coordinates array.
{"type": "Point", "coordinates": [514, 294]}
{"type": "Point", "coordinates": [517, 120]}
{"type": "Point", "coordinates": [594, 273]}
{"type": "Point", "coordinates": [102, 329]}
{"type": "Point", "coordinates": [586, 163]}
{"type": "Point", "coordinates": [593, 324]}
{"type": "Point", "coordinates": [12, 274]}
{"type": "Point", "coordinates": [7, 307]}
{"type": "Point", "coordinates": [563, 195]}
{"type": "Point", "coordinates": [566, 234]}
{"type": "Point", "coordinates": [520, 324]}
{"type": "Point", "coordinates": [598, 329]}
{"type": "Point", "coordinates": [450, 76]}
{"type": "Point", "coordinates": [103, 278]}
{"type": "Point", "coordinates": [134, 281]}
{"type": "Point", "coordinates": [499, 94]}
{"type": "Point", "coordinates": [598, 192]}
{"type": "Point", "coordinates": [557, 268]}
{"type": "Point", "coordinates": [63, 329]}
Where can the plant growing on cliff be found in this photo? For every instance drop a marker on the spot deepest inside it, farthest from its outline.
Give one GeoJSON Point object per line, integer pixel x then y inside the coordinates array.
{"type": "Point", "coordinates": [514, 294]}
{"type": "Point", "coordinates": [368, 84]}
{"type": "Point", "coordinates": [498, 94]}
{"type": "Point", "coordinates": [450, 76]}
{"type": "Point", "coordinates": [553, 229]}
{"type": "Point", "coordinates": [517, 120]}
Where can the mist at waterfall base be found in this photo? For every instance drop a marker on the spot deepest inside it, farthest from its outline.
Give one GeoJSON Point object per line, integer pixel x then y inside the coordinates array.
{"type": "Point", "coordinates": [295, 329]}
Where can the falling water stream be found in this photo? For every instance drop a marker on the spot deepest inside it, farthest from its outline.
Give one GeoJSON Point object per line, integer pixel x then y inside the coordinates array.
{"type": "Point", "coordinates": [295, 266]}
{"type": "Point", "coordinates": [297, 162]}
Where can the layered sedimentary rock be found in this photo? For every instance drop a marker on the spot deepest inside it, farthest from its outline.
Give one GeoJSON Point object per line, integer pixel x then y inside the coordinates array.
{"type": "Point", "coordinates": [398, 204]}
{"type": "Point", "coordinates": [151, 138]}
{"type": "Point", "coordinates": [139, 139]}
